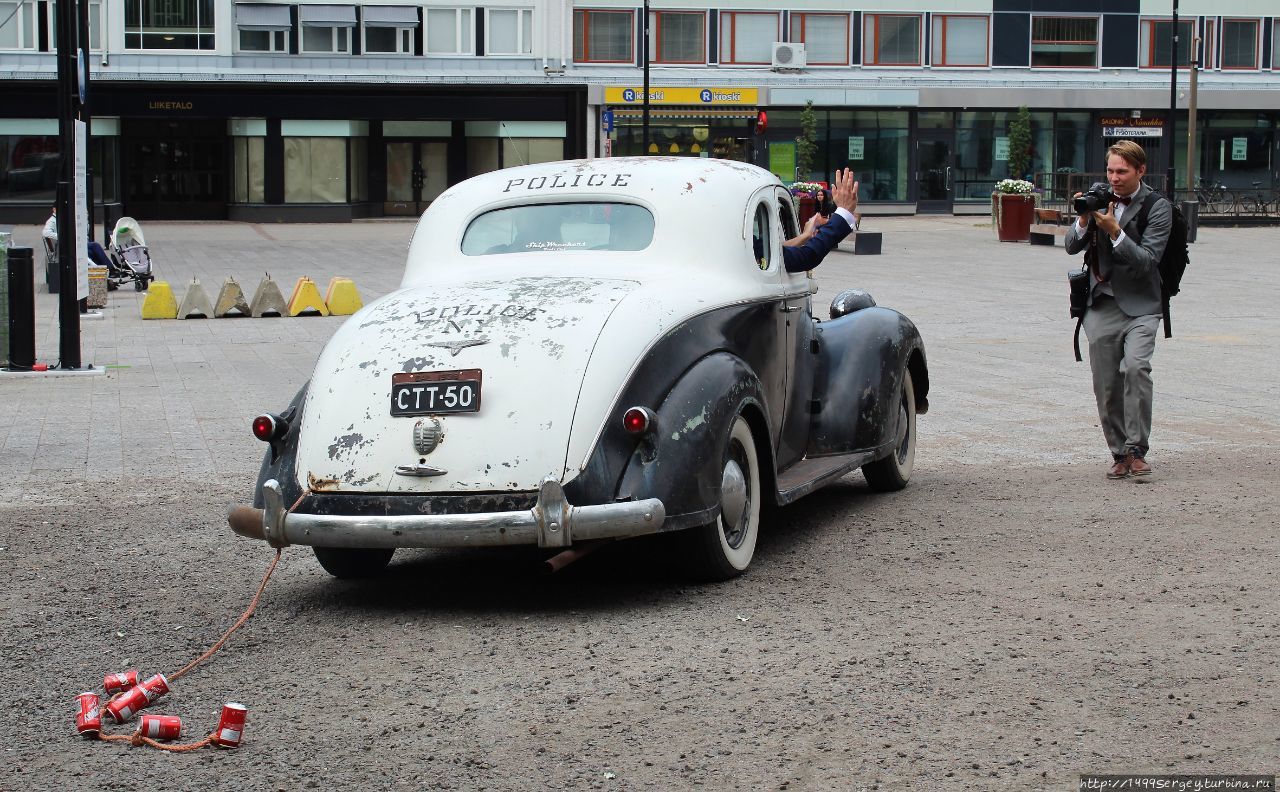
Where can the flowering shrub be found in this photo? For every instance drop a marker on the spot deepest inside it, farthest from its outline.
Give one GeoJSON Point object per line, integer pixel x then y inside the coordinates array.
{"type": "Point", "coordinates": [1015, 187]}
{"type": "Point", "coordinates": [805, 188]}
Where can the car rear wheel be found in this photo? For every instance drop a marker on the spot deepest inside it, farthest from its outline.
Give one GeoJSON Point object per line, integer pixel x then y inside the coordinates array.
{"type": "Point", "coordinates": [894, 471]}
{"type": "Point", "coordinates": [347, 562]}
{"type": "Point", "coordinates": [724, 548]}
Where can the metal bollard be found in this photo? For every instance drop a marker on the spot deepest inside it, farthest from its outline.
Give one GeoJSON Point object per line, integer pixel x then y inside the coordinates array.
{"type": "Point", "coordinates": [22, 310]}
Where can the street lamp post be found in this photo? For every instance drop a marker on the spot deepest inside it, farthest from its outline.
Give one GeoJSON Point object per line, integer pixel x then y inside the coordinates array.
{"type": "Point", "coordinates": [645, 115]}
{"type": "Point", "coordinates": [1172, 186]}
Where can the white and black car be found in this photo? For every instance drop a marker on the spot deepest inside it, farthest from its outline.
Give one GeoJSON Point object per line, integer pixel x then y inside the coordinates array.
{"type": "Point", "coordinates": [582, 351]}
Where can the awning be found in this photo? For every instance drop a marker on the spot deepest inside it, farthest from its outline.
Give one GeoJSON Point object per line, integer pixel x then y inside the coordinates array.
{"type": "Point", "coordinates": [390, 16]}
{"type": "Point", "coordinates": [260, 16]}
{"type": "Point", "coordinates": [668, 112]}
{"type": "Point", "coordinates": [327, 15]}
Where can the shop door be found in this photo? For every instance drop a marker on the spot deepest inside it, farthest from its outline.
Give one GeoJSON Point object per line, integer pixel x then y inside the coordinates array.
{"type": "Point", "coordinates": [935, 178]}
{"type": "Point", "coordinates": [417, 172]}
{"type": "Point", "coordinates": [175, 170]}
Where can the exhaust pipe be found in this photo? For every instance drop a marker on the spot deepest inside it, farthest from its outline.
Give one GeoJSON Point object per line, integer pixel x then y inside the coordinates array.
{"type": "Point", "coordinates": [564, 558]}
{"type": "Point", "coordinates": [246, 521]}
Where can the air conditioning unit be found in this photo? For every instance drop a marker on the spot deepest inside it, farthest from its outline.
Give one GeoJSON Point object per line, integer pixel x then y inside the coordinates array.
{"type": "Point", "coordinates": [788, 55]}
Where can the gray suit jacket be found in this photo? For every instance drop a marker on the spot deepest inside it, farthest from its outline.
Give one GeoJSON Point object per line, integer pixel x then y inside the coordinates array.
{"type": "Point", "coordinates": [1131, 266]}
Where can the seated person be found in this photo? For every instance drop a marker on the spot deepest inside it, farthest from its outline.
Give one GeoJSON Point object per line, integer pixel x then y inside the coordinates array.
{"type": "Point", "coordinates": [50, 234]}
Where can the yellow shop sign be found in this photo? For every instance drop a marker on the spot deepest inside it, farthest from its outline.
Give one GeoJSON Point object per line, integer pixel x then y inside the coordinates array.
{"type": "Point", "coordinates": [711, 97]}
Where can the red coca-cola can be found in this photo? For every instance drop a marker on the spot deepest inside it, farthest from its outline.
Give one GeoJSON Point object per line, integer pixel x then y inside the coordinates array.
{"type": "Point", "coordinates": [160, 727]}
{"type": "Point", "coordinates": [117, 683]}
{"type": "Point", "coordinates": [231, 725]}
{"type": "Point", "coordinates": [127, 704]}
{"type": "Point", "coordinates": [89, 719]}
{"type": "Point", "coordinates": [154, 688]}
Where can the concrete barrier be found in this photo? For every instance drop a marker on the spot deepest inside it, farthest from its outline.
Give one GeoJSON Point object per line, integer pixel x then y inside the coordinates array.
{"type": "Point", "coordinates": [267, 299]}
{"type": "Point", "coordinates": [195, 302]}
{"type": "Point", "coordinates": [230, 298]}
{"type": "Point", "coordinates": [306, 297]}
{"type": "Point", "coordinates": [159, 302]}
{"type": "Point", "coordinates": [342, 297]}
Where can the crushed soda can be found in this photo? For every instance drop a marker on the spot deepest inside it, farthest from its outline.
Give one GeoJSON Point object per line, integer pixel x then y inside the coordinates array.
{"type": "Point", "coordinates": [230, 725]}
{"type": "Point", "coordinates": [89, 719]}
{"type": "Point", "coordinates": [160, 727]}
{"type": "Point", "coordinates": [118, 683]}
{"type": "Point", "coordinates": [127, 704]}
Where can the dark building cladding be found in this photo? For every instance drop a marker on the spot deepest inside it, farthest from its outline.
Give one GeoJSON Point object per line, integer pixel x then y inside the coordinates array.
{"type": "Point", "coordinates": [179, 134]}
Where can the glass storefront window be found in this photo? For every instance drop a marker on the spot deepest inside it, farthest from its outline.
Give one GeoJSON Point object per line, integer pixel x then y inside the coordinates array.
{"type": "Point", "coordinates": [1237, 150]}
{"type": "Point", "coordinates": [359, 169]}
{"type": "Point", "coordinates": [247, 154]}
{"type": "Point", "coordinates": [692, 136]}
{"type": "Point", "coordinates": [29, 167]}
{"type": "Point", "coordinates": [927, 119]}
{"type": "Point", "coordinates": [875, 145]}
{"type": "Point", "coordinates": [315, 170]}
{"type": "Point", "coordinates": [981, 154]}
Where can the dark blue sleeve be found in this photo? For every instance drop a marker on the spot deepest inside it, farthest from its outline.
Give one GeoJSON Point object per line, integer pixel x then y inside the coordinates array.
{"type": "Point", "coordinates": [802, 258]}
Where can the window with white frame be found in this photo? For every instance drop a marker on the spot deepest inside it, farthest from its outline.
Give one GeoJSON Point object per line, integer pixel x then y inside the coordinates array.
{"type": "Point", "coordinates": [168, 24]}
{"type": "Point", "coordinates": [508, 31]}
{"type": "Point", "coordinates": [1240, 43]}
{"type": "Point", "coordinates": [959, 40]}
{"type": "Point", "coordinates": [1064, 42]}
{"type": "Point", "coordinates": [601, 36]}
{"type": "Point", "coordinates": [95, 24]}
{"type": "Point", "coordinates": [746, 37]}
{"type": "Point", "coordinates": [891, 39]}
{"type": "Point", "coordinates": [388, 30]}
{"type": "Point", "coordinates": [1275, 50]}
{"type": "Point", "coordinates": [678, 36]}
{"type": "Point", "coordinates": [825, 37]}
{"type": "Point", "coordinates": [262, 27]}
{"type": "Point", "coordinates": [326, 29]}
{"type": "Point", "coordinates": [17, 25]}
{"type": "Point", "coordinates": [1156, 43]}
{"type": "Point", "coordinates": [321, 39]}
{"type": "Point", "coordinates": [449, 31]}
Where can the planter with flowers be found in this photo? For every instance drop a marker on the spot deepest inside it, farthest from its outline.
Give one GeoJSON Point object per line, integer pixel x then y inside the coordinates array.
{"type": "Point", "coordinates": [1012, 208]}
{"type": "Point", "coordinates": [806, 195]}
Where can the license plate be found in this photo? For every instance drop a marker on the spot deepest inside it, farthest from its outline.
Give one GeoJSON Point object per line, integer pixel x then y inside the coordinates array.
{"type": "Point", "coordinates": [435, 392]}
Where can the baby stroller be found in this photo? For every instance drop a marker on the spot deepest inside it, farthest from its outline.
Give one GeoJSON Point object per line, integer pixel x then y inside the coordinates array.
{"type": "Point", "coordinates": [130, 259]}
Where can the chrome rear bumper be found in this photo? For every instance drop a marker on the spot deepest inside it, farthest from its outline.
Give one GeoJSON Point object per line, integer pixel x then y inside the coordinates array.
{"type": "Point", "coordinates": [552, 522]}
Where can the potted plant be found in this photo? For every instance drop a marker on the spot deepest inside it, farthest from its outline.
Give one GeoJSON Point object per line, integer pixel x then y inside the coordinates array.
{"type": "Point", "coordinates": [806, 194]}
{"type": "Point", "coordinates": [1012, 208]}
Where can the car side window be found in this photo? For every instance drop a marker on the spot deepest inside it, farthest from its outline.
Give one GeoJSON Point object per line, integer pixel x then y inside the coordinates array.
{"type": "Point", "coordinates": [789, 228]}
{"type": "Point", "coordinates": [761, 238]}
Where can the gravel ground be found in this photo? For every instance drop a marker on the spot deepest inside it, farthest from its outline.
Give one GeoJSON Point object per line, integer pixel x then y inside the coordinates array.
{"type": "Point", "coordinates": [1009, 621]}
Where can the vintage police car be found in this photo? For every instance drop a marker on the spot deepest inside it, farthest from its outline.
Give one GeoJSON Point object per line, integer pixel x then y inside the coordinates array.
{"type": "Point", "coordinates": [582, 351]}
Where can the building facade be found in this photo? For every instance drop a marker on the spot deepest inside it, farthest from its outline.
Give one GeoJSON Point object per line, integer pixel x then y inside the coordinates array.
{"type": "Point", "coordinates": [326, 111]}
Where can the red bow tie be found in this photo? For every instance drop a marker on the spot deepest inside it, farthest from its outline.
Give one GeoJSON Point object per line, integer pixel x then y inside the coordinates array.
{"type": "Point", "coordinates": [1124, 199]}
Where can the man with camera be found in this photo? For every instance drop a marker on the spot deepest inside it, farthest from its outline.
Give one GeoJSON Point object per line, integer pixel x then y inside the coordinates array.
{"type": "Point", "coordinates": [1125, 305]}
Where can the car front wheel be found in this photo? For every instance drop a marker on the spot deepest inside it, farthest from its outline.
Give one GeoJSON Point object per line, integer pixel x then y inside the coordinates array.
{"type": "Point", "coordinates": [347, 562]}
{"type": "Point", "coordinates": [724, 548]}
{"type": "Point", "coordinates": [894, 471]}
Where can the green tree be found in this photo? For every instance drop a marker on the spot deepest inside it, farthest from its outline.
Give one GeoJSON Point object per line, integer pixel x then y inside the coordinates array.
{"type": "Point", "coordinates": [806, 142]}
{"type": "Point", "coordinates": [1020, 143]}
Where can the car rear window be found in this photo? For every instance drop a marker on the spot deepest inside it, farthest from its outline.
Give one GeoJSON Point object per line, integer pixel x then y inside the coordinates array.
{"type": "Point", "coordinates": [559, 227]}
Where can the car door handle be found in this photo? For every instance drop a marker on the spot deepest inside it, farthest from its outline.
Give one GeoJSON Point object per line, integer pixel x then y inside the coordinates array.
{"type": "Point", "coordinates": [788, 308]}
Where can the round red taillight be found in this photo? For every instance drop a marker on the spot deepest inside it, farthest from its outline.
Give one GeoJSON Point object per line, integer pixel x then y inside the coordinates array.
{"type": "Point", "coordinates": [264, 427]}
{"type": "Point", "coordinates": [637, 420]}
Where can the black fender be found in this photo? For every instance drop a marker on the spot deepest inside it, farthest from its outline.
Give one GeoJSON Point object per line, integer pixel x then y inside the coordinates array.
{"type": "Point", "coordinates": [679, 461]}
{"type": "Point", "coordinates": [861, 357]}
{"type": "Point", "coordinates": [280, 460]}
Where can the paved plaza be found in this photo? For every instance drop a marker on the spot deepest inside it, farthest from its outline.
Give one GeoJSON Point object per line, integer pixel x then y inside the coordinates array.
{"type": "Point", "coordinates": [177, 396]}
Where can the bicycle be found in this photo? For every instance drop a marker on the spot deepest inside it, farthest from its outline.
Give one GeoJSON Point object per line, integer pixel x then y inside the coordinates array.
{"type": "Point", "coordinates": [1213, 197]}
{"type": "Point", "coordinates": [1255, 204]}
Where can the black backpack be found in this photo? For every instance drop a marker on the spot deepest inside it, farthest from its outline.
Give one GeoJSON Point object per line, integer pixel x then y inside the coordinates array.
{"type": "Point", "coordinates": [1175, 259]}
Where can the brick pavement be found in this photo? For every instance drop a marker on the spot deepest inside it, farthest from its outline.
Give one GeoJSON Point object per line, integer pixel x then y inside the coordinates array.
{"type": "Point", "coordinates": [177, 396]}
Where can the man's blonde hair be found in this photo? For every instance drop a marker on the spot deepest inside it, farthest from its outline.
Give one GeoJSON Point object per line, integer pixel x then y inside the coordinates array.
{"type": "Point", "coordinates": [1130, 152]}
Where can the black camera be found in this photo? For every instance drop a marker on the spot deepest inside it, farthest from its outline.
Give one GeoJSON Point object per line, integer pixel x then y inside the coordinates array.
{"type": "Point", "coordinates": [1094, 199]}
{"type": "Point", "coordinates": [1079, 283]}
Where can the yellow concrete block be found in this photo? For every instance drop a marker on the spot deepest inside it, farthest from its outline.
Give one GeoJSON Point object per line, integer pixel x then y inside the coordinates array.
{"type": "Point", "coordinates": [342, 297]}
{"type": "Point", "coordinates": [160, 302]}
{"type": "Point", "coordinates": [306, 297]}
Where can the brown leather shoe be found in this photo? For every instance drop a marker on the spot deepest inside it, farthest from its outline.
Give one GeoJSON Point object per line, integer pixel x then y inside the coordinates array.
{"type": "Point", "coordinates": [1138, 466]}
{"type": "Point", "coordinates": [1120, 469]}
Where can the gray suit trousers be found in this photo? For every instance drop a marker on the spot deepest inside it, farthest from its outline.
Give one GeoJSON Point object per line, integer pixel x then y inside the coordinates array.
{"type": "Point", "coordinates": [1120, 350]}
